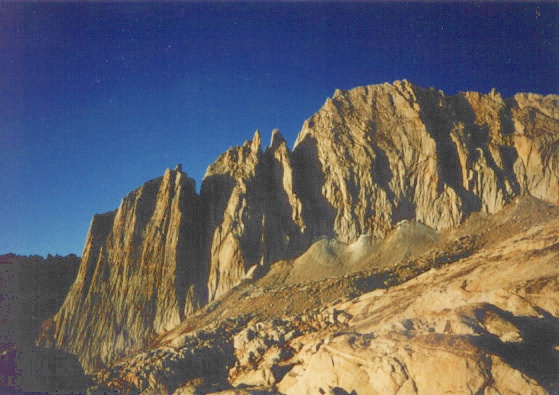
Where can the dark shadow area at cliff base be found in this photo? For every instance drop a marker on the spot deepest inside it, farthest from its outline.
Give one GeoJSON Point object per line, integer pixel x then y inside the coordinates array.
{"type": "Point", "coordinates": [32, 289]}
{"type": "Point", "coordinates": [34, 370]}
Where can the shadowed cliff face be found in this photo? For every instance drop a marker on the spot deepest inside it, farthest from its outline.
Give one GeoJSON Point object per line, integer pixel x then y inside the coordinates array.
{"type": "Point", "coordinates": [371, 157]}
{"type": "Point", "coordinates": [32, 289]}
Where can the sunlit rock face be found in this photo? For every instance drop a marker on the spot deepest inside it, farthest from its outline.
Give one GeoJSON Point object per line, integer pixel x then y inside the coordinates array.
{"type": "Point", "coordinates": [485, 323]}
{"type": "Point", "coordinates": [368, 159]}
{"type": "Point", "coordinates": [138, 277]}
{"type": "Point", "coordinates": [375, 155]}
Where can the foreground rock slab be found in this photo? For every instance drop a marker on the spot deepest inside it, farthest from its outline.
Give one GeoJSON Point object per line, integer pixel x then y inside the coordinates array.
{"type": "Point", "coordinates": [487, 324]}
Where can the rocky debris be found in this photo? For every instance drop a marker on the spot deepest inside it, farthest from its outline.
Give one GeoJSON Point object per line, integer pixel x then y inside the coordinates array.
{"type": "Point", "coordinates": [234, 352]}
{"type": "Point", "coordinates": [264, 350]}
{"type": "Point", "coordinates": [496, 325]}
{"type": "Point", "coordinates": [261, 350]}
{"type": "Point", "coordinates": [203, 355]}
{"type": "Point", "coordinates": [330, 257]}
{"type": "Point", "coordinates": [371, 158]}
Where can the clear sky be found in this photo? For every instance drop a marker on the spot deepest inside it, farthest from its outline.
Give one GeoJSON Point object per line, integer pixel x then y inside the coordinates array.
{"type": "Point", "coordinates": [96, 99]}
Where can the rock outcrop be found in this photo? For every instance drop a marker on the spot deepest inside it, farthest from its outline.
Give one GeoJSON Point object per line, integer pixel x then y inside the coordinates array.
{"type": "Point", "coordinates": [251, 212]}
{"type": "Point", "coordinates": [370, 158]}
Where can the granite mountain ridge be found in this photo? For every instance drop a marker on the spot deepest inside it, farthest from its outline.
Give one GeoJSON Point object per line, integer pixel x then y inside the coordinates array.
{"type": "Point", "coordinates": [370, 158]}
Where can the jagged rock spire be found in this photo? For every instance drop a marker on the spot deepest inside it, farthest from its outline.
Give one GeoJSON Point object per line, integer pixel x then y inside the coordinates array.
{"type": "Point", "coordinates": [256, 141]}
{"type": "Point", "coordinates": [277, 139]}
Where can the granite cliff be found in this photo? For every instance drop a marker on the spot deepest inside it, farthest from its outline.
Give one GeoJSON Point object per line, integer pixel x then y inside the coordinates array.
{"type": "Point", "coordinates": [138, 277]}
{"type": "Point", "coordinates": [251, 211]}
{"type": "Point", "coordinates": [371, 158]}
{"type": "Point", "coordinates": [390, 152]}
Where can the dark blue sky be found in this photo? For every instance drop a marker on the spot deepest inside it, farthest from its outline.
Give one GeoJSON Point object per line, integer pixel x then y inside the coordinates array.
{"type": "Point", "coordinates": [96, 99]}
